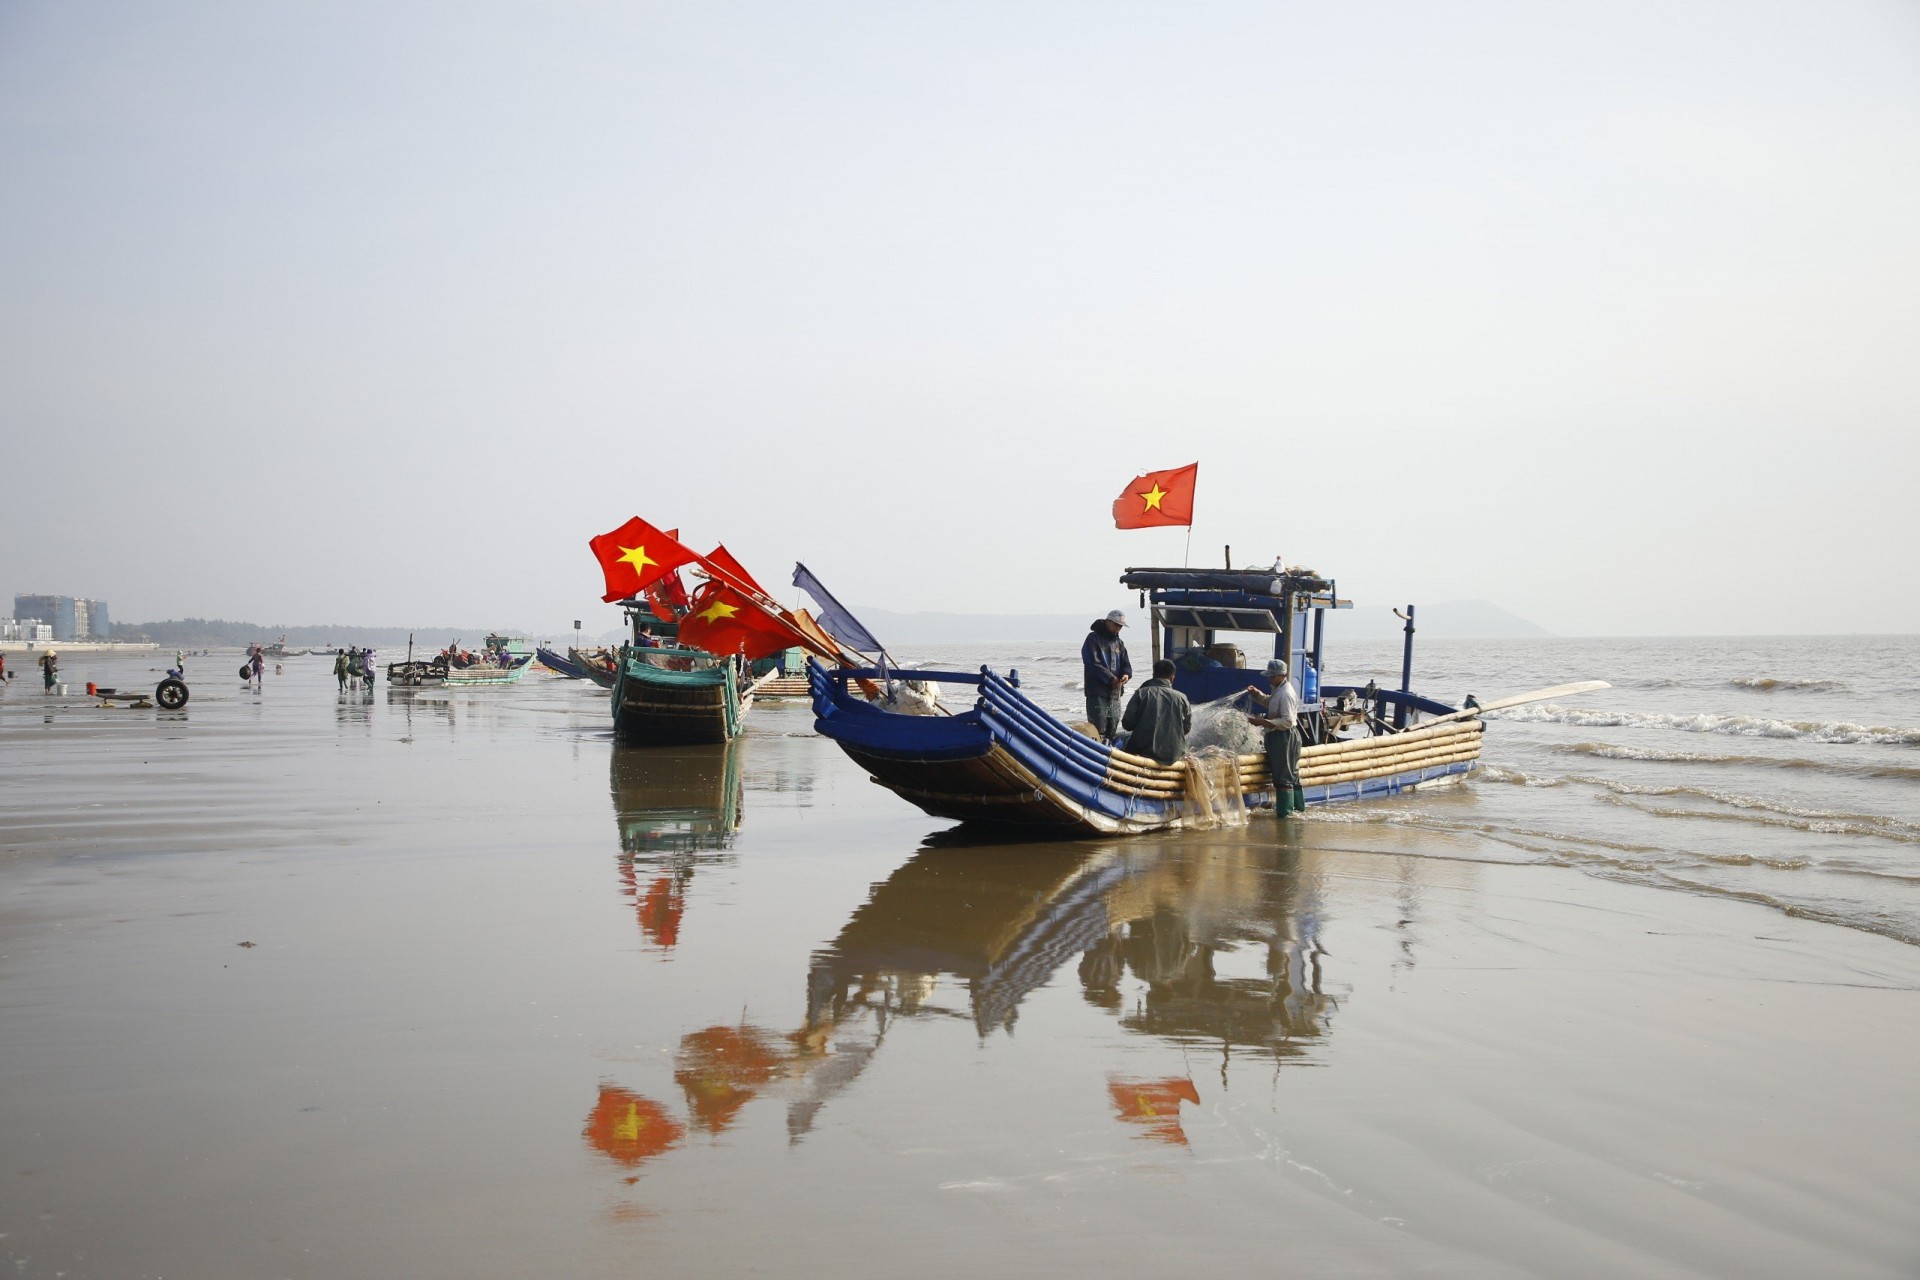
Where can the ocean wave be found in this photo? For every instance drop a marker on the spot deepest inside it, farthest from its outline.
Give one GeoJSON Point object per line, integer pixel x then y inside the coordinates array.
{"type": "Point", "coordinates": [1617, 751]}
{"type": "Point", "coordinates": [1761, 814]}
{"type": "Point", "coordinates": [1831, 731]}
{"type": "Point", "coordinates": [1495, 773]}
{"type": "Point", "coordinates": [1774, 684]}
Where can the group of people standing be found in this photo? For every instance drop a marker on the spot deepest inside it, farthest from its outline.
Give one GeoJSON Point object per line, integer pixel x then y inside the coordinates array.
{"type": "Point", "coordinates": [1158, 717]}
{"type": "Point", "coordinates": [352, 666]}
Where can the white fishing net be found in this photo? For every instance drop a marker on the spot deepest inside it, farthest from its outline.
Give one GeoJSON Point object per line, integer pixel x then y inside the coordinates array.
{"type": "Point", "coordinates": [909, 698]}
{"type": "Point", "coordinates": [1212, 786]}
{"type": "Point", "coordinates": [1224, 724]}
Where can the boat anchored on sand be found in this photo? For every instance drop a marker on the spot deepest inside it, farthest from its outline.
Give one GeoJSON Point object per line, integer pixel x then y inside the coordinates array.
{"type": "Point", "coordinates": [1008, 760]}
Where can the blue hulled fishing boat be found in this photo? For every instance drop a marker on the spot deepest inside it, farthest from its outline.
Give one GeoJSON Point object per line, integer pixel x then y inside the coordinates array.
{"type": "Point", "coordinates": [1005, 759]}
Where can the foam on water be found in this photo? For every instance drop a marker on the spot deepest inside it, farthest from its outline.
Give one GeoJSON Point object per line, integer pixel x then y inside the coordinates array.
{"type": "Point", "coordinates": [1712, 722]}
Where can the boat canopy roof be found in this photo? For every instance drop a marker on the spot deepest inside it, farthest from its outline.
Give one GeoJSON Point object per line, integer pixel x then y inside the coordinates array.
{"type": "Point", "coordinates": [1247, 582]}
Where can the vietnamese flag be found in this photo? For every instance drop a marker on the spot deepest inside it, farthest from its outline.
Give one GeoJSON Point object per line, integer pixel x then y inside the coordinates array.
{"type": "Point", "coordinates": [668, 596]}
{"type": "Point", "coordinates": [636, 555]}
{"type": "Point", "coordinates": [736, 573]}
{"type": "Point", "coordinates": [1157, 498]}
{"type": "Point", "coordinates": [723, 621]}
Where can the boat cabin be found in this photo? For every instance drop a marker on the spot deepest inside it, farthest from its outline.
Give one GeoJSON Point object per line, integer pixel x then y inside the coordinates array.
{"type": "Point", "coordinates": [1219, 627]}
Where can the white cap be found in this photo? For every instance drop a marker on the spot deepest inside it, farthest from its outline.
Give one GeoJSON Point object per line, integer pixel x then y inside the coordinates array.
{"type": "Point", "coordinates": [1275, 667]}
{"type": "Point", "coordinates": [1117, 618]}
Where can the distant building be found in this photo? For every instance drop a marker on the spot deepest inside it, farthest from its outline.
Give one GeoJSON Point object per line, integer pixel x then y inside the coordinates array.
{"type": "Point", "coordinates": [70, 618]}
{"type": "Point", "coordinates": [25, 630]}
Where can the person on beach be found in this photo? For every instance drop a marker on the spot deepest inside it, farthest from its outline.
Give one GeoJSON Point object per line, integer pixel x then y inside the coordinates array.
{"type": "Point", "coordinates": [3, 668]}
{"type": "Point", "coordinates": [1103, 655]}
{"type": "Point", "coordinates": [1282, 723]}
{"type": "Point", "coordinates": [259, 665]}
{"type": "Point", "coordinates": [1159, 717]}
{"type": "Point", "coordinates": [49, 668]}
{"type": "Point", "coordinates": [340, 668]}
{"type": "Point", "coordinates": [366, 660]}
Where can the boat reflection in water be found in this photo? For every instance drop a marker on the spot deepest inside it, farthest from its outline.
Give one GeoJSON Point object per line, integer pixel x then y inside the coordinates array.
{"type": "Point", "coordinates": [1006, 919]}
{"type": "Point", "coordinates": [1209, 940]}
{"type": "Point", "coordinates": [676, 807]}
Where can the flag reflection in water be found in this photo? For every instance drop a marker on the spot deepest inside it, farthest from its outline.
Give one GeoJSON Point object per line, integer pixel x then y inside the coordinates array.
{"type": "Point", "coordinates": [1154, 1105]}
{"type": "Point", "coordinates": [721, 1069]}
{"type": "Point", "coordinates": [630, 1129]}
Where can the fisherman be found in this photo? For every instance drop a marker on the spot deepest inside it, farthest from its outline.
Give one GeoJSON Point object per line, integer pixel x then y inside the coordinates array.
{"type": "Point", "coordinates": [340, 668]}
{"type": "Point", "coordinates": [1103, 654]}
{"type": "Point", "coordinates": [1159, 717]}
{"type": "Point", "coordinates": [1282, 723]}
{"type": "Point", "coordinates": [49, 668]}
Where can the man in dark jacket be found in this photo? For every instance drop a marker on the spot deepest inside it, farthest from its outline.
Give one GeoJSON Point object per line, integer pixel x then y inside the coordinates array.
{"type": "Point", "coordinates": [1104, 655]}
{"type": "Point", "coordinates": [1159, 717]}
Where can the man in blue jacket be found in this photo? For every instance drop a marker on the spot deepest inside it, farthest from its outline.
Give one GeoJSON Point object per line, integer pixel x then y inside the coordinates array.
{"type": "Point", "coordinates": [1104, 655]}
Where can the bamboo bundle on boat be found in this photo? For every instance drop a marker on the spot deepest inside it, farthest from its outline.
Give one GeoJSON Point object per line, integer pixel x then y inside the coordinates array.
{"type": "Point", "coordinates": [1361, 758]}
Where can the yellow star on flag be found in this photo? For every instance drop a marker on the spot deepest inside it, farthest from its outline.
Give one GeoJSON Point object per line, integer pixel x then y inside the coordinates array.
{"type": "Point", "coordinates": [717, 610]}
{"type": "Point", "coordinates": [1153, 497]}
{"type": "Point", "coordinates": [637, 557]}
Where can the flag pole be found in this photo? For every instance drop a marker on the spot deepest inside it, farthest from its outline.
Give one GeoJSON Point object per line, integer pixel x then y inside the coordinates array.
{"type": "Point", "coordinates": [1186, 557]}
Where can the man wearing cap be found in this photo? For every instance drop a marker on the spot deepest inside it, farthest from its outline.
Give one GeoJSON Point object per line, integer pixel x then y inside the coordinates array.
{"type": "Point", "coordinates": [1282, 723]}
{"type": "Point", "coordinates": [1104, 656]}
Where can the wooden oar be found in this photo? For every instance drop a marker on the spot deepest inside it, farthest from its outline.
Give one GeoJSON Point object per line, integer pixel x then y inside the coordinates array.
{"type": "Point", "coordinates": [1538, 695]}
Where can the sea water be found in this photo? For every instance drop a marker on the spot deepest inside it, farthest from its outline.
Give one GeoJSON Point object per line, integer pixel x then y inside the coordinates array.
{"type": "Point", "coordinates": [1784, 771]}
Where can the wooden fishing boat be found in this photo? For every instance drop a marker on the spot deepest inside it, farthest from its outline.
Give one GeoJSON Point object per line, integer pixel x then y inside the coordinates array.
{"type": "Point", "coordinates": [488, 673]}
{"type": "Point", "coordinates": [1007, 760]}
{"type": "Point", "coordinates": [598, 665]}
{"type": "Point", "coordinates": [670, 694]}
{"type": "Point", "coordinates": [558, 665]}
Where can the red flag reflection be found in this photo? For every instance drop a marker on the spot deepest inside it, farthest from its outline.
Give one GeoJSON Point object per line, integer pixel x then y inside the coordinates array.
{"type": "Point", "coordinates": [630, 1128]}
{"type": "Point", "coordinates": [721, 1069]}
{"type": "Point", "coordinates": [1154, 1105]}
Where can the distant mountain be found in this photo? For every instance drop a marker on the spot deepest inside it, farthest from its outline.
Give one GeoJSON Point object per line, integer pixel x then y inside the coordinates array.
{"type": "Point", "coordinates": [1448, 619]}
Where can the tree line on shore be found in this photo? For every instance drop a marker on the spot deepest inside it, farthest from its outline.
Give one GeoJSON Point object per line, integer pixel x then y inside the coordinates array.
{"type": "Point", "coordinates": [212, 633]}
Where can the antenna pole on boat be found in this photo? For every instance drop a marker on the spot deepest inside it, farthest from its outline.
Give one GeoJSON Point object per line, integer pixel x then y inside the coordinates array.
{"type": "Point", "coordinates": [409, 646]}
{"type": "Point", "coordinates": [1406, 670]}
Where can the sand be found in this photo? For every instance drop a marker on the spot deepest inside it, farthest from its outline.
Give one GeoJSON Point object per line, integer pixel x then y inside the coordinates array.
{"type": "Point", "coordinates": [446, 984]}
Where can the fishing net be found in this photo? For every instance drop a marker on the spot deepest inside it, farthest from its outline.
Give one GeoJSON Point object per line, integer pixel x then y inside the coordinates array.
{"type": "Point", "coordinates": [909, 698]}
{"type": "Point", "coordinates": [1224, 724]}
{"type": "Point", "coordinates": [1212, 786]}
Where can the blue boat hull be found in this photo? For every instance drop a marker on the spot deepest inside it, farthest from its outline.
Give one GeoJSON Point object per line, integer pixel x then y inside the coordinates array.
{"type": "Point", "coordinates": [1008, 761]}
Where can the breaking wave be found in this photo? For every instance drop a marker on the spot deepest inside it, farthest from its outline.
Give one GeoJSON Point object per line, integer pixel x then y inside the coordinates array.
{"type": "Point", "coordinates": [1772, 684]}
{"type": "Point", "coordinates": [1833, 731]}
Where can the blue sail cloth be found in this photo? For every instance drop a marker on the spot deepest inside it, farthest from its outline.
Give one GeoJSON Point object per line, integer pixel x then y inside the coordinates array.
{"type": "Point", "coordinates": [840, 624]}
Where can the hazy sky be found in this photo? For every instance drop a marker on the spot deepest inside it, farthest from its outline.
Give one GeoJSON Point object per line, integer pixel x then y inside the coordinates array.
{"type": "Point", "coordinates": [374, 313]}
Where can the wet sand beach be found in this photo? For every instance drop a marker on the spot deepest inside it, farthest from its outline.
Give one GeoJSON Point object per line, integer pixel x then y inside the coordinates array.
{"type": "Point", "coordinates": [445, 983]}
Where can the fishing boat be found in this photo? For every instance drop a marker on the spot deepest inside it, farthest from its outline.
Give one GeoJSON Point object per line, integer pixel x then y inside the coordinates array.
{"type": "Point", "coordinates": [664, 692]}
{"type": "Point", "coordinates": [1007, 760]}
{"type": "Point", "coordinates": [670, 694]}
{"type": "Point", "coordinates": [601, 666]}
{"type": "Point", "coordinates": [558, 665]}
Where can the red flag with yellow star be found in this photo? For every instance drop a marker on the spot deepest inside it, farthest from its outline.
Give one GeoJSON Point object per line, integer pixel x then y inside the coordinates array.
{"type": "Point", "coordinates": [635, 555]}
{"type": "Point", "coordinates": [724, 621]}
{"type": "Point", "coordinates": [1157, 498]}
